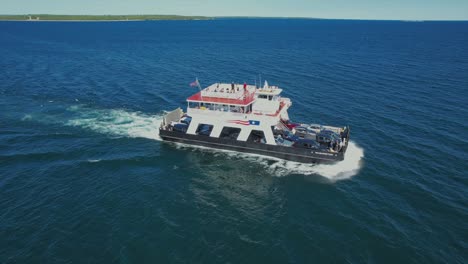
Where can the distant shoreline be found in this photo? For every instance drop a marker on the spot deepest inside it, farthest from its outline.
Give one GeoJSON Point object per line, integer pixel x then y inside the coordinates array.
{"type": "Point", "coordinates": [126, 20]}
{"type": "Point", "coordinates": [96, 18]}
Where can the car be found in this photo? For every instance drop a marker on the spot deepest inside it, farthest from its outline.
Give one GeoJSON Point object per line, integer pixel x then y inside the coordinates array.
{"type": "Point", "coordinates": [326, 131]}
{"type": "Point", "coordinates": [304, 132]}
{"type": "Point", "coordinates": [186, 120]}
{"type": "Point", "coordinates": [315, 128]}
{"type": "Point", "coordinates": [204, 130]}
{"type": "Point", "coordinates": [180, 127]}
{"type": "Point", "coordinates": [289, 136]}
{"type": "Point", "coordinates": [327, 136]}
{"type": "Point", "coordinates": [306, 143]}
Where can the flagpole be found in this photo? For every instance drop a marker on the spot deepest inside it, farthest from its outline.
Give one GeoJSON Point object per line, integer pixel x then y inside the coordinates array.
{"type": "Point", "coordinates": [199, 87]}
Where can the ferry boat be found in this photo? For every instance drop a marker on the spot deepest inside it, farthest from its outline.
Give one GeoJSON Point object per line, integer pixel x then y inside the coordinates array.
{"type": "Point", "coordinates": [251, 119]}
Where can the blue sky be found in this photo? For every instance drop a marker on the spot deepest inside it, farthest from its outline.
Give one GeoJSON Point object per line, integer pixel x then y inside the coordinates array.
{"type": "Point", "coordinates": [355, 9]}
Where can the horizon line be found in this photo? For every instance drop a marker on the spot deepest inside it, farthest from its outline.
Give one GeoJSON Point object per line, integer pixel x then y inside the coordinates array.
{"type": "Point", "coordinates": [248, 17]}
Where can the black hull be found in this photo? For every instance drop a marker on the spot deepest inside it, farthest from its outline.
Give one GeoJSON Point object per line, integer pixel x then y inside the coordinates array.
{"type": "Point", "coordinates": [287, 153]}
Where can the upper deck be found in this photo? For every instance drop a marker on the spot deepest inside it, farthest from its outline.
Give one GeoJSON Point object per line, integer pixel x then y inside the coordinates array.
{"type": "Point", "coordinates": [225, 93]}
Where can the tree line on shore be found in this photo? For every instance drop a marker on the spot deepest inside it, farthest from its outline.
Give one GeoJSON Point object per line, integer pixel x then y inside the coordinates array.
{"type": "Point", "coordinates": [99, 17]}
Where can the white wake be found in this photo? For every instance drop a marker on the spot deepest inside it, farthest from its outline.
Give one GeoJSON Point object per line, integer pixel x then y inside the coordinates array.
{"type": "Point", "coordinates": [345, 169]}
{"type": "Point", "coordinates": [116, 122]}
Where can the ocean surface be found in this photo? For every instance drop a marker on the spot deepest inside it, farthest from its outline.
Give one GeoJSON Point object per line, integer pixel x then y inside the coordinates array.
{"type": "Point", "coordinates": [85, 178]}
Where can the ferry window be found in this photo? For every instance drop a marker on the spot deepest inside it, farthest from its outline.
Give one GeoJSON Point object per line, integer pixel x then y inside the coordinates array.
{"type": "Point", "coordinates": [204, 129]}
{"type": "Point", "coordinates": [230, 133]}
{"type": "Point", "coordinates": [256, 136]}
{"type": "Point", "coordinates": [262, 96]}
{"type": "Point", "coordinates": [269, 97]}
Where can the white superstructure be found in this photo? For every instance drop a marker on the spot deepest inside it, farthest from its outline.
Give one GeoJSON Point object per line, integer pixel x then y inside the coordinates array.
{"type": "Point", "coordinates": [238, 106]}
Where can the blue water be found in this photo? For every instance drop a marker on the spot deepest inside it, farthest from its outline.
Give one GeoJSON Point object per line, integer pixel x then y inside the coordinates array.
{"type": "Point", "coordinates": [84, 177]}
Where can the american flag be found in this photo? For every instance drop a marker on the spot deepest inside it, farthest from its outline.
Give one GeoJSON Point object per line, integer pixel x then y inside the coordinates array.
{"type": "Point", "coordinates": [195, 83]}
{"type": "Point", "coordinates": [245, 122]}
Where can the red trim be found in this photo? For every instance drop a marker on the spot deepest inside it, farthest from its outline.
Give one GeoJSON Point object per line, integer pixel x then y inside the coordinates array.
{"type": "Point", "coordinates": [205, 99]}
{"type": "Point", "coordinates": [240, 122]}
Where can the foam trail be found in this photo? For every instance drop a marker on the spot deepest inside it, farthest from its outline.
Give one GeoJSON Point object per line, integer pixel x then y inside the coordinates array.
{"type": "Point", "coordinates": [345, 169]}
{"type": "Point", "coordinates": [116, 122]}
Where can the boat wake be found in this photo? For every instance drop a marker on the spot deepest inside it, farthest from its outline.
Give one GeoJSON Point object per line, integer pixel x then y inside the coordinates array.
{"type": "Point", "coordinates": [116, 122]}
{"type": "Point", "coordinates": [123, 123]}
{"type": "Point", "coordinates": [341, 170]}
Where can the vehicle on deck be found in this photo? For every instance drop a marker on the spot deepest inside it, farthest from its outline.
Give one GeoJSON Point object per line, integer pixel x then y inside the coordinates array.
{"type": "Point", "coordinates": [307, 143]}
{"type": "Point", "coordinates": [304, 132]}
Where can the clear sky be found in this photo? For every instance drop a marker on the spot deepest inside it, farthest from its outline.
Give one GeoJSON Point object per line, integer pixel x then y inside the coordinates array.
{"type": "Point", "coordinates": [359, 9]}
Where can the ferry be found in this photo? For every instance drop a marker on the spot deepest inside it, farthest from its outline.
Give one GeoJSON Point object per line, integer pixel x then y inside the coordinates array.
{"type": "Point", "coordinates": [251, 119]}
